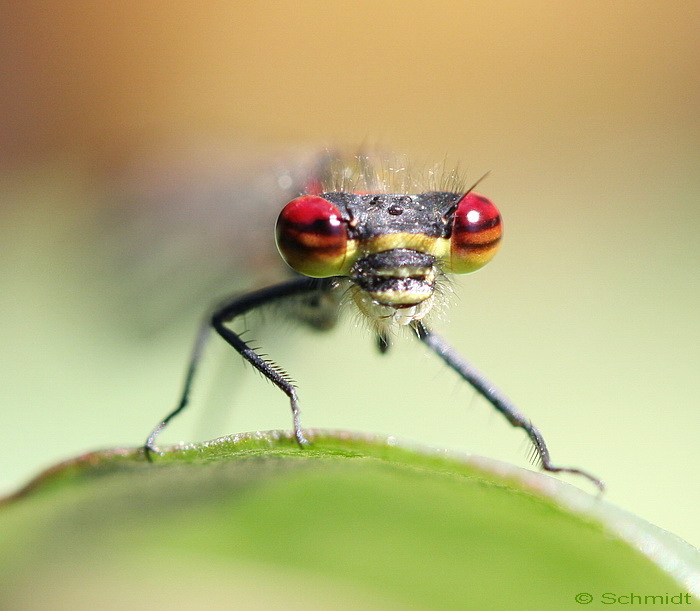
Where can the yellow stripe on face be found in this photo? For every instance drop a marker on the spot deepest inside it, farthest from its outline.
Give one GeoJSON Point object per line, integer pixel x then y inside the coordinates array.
{"type": "Point", "coordinates": [399, 298]}
{"type": "Point", "coordinates": [438, 247]}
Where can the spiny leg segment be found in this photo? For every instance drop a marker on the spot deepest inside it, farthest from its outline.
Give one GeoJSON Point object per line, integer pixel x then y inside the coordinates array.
{"type": "Point", "coordinates": [218, 321]}
{"type": "Point", "coordinates": [494, 396]}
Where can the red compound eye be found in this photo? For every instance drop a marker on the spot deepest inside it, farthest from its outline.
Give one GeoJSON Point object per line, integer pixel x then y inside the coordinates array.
{"type": "Point", "coordinates": [312, 237]}
{"type": "Point", "coordinates": [476, 234]}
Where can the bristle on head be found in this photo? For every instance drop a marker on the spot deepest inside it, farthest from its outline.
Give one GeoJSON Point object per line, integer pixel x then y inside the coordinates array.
{"type": "Point", "coordinates": [379, 173]}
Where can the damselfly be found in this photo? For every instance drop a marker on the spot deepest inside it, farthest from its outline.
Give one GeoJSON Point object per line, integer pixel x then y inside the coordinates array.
{"type": "Point", "coordinates": [366, 231]}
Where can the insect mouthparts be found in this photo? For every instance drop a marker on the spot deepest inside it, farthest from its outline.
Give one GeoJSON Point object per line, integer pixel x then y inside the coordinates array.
{"type": "Point", "coordinates": [397, 277]}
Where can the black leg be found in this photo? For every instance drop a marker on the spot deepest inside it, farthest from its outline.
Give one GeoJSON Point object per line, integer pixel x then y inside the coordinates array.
{"type": "Point", "coordinates": [497, 399]}
{"type": "Point", "coordinates": [225, 313]}
{"type": "Point", "coordinates": [383, 342]}
{"type": "Point", "coordinates": [202, 337]}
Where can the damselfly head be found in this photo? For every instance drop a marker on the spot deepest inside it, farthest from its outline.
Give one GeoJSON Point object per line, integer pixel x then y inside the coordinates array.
{"type": "Point", "coordinates": [394, 247]}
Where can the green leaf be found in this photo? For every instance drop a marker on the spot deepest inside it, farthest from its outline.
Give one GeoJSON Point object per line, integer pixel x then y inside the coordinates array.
{"type": "Point", "coordinates": [254, 522]}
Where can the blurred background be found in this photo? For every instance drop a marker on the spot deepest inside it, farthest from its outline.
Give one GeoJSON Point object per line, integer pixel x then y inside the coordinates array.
{"type": "Point", "coordinates": [133, 137]}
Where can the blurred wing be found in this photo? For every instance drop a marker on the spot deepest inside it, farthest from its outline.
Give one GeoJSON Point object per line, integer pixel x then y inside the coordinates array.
{"type": "Point", "coordinates": [179, 229]}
